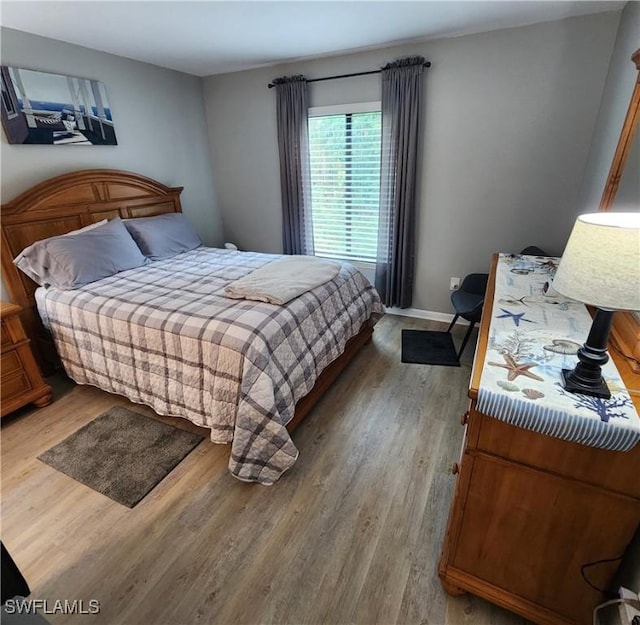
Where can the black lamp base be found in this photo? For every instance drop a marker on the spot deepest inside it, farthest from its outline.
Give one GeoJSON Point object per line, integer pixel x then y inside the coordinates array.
{"type": "Point", "coordinates": [595, 389]}
{"type": "Point", "coordinates": [586, 378]}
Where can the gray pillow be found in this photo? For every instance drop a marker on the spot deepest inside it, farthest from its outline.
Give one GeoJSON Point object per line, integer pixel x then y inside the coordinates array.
{"type": "Point", "coordinates": [163, 236]}
{"type": "Point", "coordinates": [70, 262]}
{"type": "Point", "coordinates": [22, 260]}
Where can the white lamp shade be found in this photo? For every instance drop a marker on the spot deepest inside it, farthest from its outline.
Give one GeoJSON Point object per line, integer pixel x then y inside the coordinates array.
{"type": "Point", "coordinates": [601, 263]}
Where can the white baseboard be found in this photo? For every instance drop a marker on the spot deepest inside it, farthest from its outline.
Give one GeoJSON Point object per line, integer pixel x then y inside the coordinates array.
{"type": "Point", "coordinates": [431, 315]}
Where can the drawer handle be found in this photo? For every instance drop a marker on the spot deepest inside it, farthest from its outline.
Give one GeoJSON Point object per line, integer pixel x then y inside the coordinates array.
{"type": "Point", "coordinates": [465, 418]}
{"type": "Point", "coordinates": [455, 468]}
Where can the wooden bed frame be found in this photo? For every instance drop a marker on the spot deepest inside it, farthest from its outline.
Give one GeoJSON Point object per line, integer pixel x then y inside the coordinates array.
{"type": "Point", "coordinates": [71, 201]}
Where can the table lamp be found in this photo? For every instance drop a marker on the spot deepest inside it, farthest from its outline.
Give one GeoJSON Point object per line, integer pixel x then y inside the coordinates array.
{"type": "Point", "coordinates": [600, 267]}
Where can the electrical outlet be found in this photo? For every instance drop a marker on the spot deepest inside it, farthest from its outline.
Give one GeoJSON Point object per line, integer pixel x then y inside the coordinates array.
{"type": "Point", "coordinates": [631, 610]}
{"type": "Point", "coordinates": [454, 284]}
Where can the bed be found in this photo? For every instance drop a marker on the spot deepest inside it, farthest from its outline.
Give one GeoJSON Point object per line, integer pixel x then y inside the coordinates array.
{"type": "Point", "coordinates": [166, 336]}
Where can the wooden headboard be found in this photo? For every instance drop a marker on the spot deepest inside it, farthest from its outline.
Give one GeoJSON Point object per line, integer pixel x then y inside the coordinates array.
{"type": "Point", "coordinates": [59, 205]}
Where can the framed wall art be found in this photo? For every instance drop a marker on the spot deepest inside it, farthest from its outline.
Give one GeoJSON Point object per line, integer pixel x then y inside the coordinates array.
{"type": "Point", "coordinates": [54, 109]}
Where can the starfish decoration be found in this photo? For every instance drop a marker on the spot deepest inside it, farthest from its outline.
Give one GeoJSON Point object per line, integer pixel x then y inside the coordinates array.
{"type": "Point", "coordinates": [517, 317]}
{"type": "Point", "coordinates": [550, 265]}
{"type": "Point", "coordinates": [512, 301]}
{"type": "Point", "coordinates": [517, 368]}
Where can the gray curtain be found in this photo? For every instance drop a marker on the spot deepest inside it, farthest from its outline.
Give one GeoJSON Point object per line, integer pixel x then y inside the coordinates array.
{"type": "Point", "coordinates": [401, 112]}
{"type": "Point", "coordinates": [293, 139]}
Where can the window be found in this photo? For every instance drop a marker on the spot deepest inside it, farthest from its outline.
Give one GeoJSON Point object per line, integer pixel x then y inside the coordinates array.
{"type": "Point", "coordinates": [344, 149]}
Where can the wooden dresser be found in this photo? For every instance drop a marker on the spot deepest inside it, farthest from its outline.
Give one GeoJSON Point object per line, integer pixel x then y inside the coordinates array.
{"type": "Point", "coordinates": [530, 510]}
{"type": "Point", "coordinates": [20, 376]}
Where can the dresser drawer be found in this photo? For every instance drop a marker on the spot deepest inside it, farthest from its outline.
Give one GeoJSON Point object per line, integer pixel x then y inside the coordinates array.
{"type": "Point", "coordinates": [15, 385]}
{"type": "Point", "coordinates": [511, 516]}
{"type": "Point", "coordinates": [611, 470]}
{"type": "Point", "coordinates": [10, 363]}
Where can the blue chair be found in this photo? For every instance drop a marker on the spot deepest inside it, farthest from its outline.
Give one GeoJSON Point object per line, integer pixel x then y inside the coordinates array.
{"type": "Point", "coordinates": [467, 302]}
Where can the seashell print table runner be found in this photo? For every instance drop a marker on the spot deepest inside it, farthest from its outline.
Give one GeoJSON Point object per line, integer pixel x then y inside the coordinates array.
{"type": "Point", "coordinates": [532, 337]}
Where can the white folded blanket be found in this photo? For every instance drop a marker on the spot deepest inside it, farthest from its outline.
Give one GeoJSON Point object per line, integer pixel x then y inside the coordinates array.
{"type": "Point", "coordinates": [279, 281]}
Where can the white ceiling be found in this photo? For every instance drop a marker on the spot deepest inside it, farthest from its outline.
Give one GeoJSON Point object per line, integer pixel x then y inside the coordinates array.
{"type": "Point", "coordinates": [213, 37]}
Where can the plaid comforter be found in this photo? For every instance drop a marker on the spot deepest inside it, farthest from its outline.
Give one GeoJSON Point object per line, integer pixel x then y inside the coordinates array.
{"type": "Point", "coordinates": [165, 335]}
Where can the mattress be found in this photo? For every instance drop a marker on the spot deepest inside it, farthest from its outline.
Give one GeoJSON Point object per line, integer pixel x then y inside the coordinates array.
{"type": "Point", "coordinates": [165, 335]}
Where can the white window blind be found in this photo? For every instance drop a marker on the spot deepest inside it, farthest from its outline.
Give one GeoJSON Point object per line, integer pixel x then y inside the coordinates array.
{"type": "Point", "coordinates": [344, 153]}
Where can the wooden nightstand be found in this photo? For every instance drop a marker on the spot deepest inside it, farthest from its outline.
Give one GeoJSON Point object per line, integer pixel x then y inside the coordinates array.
{"type": "Point", "coordinates": [20, 376]}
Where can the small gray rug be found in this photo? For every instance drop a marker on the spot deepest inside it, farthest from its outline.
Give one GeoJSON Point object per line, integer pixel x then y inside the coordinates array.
{"type": "Point", "coordinates": [121, 454]}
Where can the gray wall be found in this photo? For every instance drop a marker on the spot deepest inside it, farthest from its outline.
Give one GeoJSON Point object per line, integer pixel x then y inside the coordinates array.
{"type": "Point", "coordinates": [159, 122]}
{"type": "Point", "coordinates": [619, 85]}
{"type": "Point", "coordinates": [507, 124]}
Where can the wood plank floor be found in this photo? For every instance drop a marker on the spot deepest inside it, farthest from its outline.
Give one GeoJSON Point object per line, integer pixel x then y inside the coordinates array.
{"type": "Point", "coordinates": [352, 534]}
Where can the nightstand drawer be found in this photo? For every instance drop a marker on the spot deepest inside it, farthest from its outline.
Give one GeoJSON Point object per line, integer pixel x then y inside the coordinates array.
{"type": "Point", "coordinates": [10, 363]}
{"type": "Point", "coordinates": [6, 339]}
{"type": "Point", "coordinates": [21, 381]}
{"type": "Point", "coordinates": [15, 385]}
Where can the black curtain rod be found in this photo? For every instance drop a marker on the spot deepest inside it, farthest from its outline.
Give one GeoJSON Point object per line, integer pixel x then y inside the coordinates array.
{"type": "Point", "coordinates": [375, 71]}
